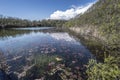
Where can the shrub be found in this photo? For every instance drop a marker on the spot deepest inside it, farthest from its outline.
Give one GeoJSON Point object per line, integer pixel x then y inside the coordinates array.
{"type": "Point", "coordinates": [109, 70]}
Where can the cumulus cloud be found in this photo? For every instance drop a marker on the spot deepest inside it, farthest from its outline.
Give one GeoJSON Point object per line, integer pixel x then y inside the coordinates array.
{"type": "Point", "coordinates": [63, 36]}
{"type": "Point", "coordinates": [70, 13]}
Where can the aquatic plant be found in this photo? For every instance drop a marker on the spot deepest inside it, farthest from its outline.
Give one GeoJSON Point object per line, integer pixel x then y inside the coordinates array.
{"type": "Point", "coordinates": [43, 64]}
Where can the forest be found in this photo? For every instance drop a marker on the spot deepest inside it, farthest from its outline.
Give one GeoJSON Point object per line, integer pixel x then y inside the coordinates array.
{"type": "Point", "coordinates": [11, 22]}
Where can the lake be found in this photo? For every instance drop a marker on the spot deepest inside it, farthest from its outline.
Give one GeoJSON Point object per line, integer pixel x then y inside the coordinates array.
{"type": "Point", "coordinates": [20, 45]}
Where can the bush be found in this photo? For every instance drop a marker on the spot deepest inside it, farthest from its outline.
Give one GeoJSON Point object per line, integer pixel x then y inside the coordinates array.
{"type": "Point", "coordinates": [109, 70]}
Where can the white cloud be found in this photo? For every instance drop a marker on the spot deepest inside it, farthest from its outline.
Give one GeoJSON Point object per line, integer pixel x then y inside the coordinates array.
{"type": "Point", "coordinates": [70, 13]}
{"type": "Point", "coordinates": [63, 36]}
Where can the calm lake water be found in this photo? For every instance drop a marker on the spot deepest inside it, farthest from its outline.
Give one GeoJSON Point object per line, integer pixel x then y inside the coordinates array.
{"type": "Point", "coordinates": [17, 45]}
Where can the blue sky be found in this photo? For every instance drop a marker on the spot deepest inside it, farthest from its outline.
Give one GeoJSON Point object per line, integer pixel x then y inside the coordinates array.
{"type": "Point", "coordinates": [42, 9]}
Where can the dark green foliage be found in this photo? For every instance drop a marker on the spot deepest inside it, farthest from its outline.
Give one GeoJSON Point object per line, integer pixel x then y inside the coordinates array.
{"type": "Point", "coordinates": [109, 70]}
{"type": "Point", "coordinates": [104, 16]}
{"type": "Point", "coordinates": [52, 23]}
{"type": "Point", "coordinates": [9, 22]}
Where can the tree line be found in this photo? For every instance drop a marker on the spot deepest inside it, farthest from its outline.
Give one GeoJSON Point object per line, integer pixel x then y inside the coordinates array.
{"type": "Point", "coordinates": [10, 22]}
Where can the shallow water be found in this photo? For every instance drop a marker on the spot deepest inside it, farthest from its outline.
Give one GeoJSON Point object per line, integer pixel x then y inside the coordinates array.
{"type": "Point", "coordinates": [17, 45]}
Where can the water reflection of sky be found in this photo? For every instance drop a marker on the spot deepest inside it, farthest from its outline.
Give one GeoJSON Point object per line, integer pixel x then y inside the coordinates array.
{"type": "Point", "coordinates": [40, 42]}
{"type": "Point", "coordinates": [33, 28]}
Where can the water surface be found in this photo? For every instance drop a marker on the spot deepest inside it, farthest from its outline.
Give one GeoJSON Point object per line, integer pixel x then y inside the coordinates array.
{"type": "Point", "coordinates": [19, 45]}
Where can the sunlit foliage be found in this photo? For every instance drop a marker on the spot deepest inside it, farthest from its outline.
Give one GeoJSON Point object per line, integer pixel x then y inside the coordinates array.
{"type": "Point", "coordinates": [109, 70]}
